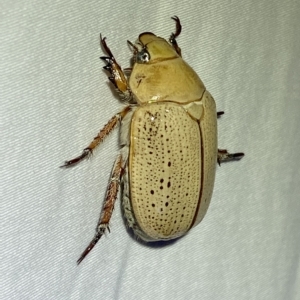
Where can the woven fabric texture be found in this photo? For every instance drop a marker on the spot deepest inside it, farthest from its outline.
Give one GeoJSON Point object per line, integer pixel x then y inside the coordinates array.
{"type": "Point", "coordinates": [54, 98]}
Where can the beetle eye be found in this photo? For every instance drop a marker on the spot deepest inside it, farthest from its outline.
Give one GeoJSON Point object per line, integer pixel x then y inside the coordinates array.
{"type": "Point", "coordinates": [143, 56]}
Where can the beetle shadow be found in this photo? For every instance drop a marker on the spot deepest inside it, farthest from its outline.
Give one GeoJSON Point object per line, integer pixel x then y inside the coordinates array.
{"type": "Point", "coordinates": [157, 244]}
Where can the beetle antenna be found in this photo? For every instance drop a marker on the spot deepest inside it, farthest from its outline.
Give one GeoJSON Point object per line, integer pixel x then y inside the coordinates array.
{"type": "Point", "coordinates": [133, 47]}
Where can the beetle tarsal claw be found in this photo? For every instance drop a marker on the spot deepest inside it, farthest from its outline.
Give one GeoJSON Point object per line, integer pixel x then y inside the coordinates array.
{"type": "Point", "coordinates": [173, 36]}
{"type": "Point", "coordinates": [224, 156]}
{"type": "Point", "coordinates": [89, 248]}
{"type": "Point", "coordinates": [85, 154]}
{"type": "Point", "coordinates": [178, 27]}
{"type": "Point", "coordinates": [99, 233]}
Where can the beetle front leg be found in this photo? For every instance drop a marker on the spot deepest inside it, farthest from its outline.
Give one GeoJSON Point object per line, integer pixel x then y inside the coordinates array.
{"type": "Point", "coordinates": [108, 206]}
{"type": "Point", "coordinates": [173, 36]}
{"type": "Point", "coordinates": [104, 132]}
{"type": "Point", "coordinates": [224, 156]}
{"type": "Point", "coordinates": [117, 77]}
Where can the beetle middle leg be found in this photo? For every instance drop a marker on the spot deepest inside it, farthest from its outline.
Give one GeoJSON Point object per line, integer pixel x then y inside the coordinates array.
{"type": "Point", "coordinates": [224, 156]}
{"type": "Point", "coordinates": [108, 205]}
{"type": "Point", "coordinates": [104, 132]}
{"type": "Point", "coordinates": [117, 77]}
{"type": "Point", "coordinates": [173, 36]}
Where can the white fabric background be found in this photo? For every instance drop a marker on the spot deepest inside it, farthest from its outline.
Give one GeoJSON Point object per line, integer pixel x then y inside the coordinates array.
{"type": "Point", "coordinates": [54, 99]}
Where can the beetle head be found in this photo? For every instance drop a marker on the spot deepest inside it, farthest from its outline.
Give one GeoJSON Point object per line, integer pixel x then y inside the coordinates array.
{"type": "Point", "coordinates": [150, 48]}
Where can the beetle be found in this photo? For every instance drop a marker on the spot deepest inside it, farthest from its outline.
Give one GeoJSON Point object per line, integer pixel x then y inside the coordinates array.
{"type": "Point", "coordinates": [168, 142]}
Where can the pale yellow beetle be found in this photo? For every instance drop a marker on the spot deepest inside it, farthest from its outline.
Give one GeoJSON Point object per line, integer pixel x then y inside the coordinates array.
{"type": "Point", "coordinates": [168, 142]}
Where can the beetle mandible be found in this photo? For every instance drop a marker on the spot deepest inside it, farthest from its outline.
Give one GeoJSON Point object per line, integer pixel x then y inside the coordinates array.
{"type": "Point", "coordinates": [168, 142]}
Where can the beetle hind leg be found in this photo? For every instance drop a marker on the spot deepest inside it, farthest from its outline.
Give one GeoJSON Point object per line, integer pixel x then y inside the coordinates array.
{"type": "Point", "coordinates": [108, 206]}
{"type": "Point", "coordinates": [173, 36]}
{"type": "Point", "coordinates": [117, 76]}
{"type": "Point", "coordinates": [224, 156]}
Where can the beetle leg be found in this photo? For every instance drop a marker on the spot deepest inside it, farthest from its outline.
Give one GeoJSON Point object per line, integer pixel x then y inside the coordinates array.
{"type": "Point", "coordinates": [173, 36]}
{"type": "Point", "coordinates": [224, 156]}
{"type": "Point", "coordinates": [220, 113]}
{"type": "Point", "coordinates": [104, 132]}
{"type": "Point", "coordinates": [108, 206]}
{"type": "Point", "coordinates": [117, 77]}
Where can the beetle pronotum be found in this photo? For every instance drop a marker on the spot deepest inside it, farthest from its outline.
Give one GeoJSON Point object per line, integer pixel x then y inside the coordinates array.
{"type": "Point", "coordinates": [168, 142]}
